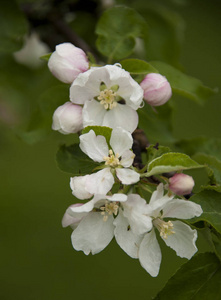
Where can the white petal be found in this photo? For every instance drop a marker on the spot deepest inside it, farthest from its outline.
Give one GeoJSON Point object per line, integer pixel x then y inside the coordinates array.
{"type": "Point", "coordinates": [93, 234]}
{"type": "Point", "coordinates": [134, 211]}
{"type": "Point", "coordinates": [182, 209]}
{"type": "Point", "coordinates": [100, 182]}
{"type": "Point", "coordinates": [127, 158]}
{"type": "Point", "coordinates": [183, 240]}
{"type": "Point", "coordinates": [120, 141]}
{"type": "Point", "coordinates": [83, 88]}
{"type": "Point", "coordinates": [127, 176]}
{"type": "Point", "coordinates": [77, 185]}
{"type": "Point", "coordinates": [121, 116]}
{"type": "Point", "coordinates": [74, 210]}
{"type": "Point", "coordinates": [124, 236]}
{"type": "Point", "coordinates": [150, 254]}
{"type": "Point", "coordinates": [94, 146]}
{"type": "Point", "coordinates": [131, 92]}
{"type": "Point", "coordinates": [93, 113]}
{"type": "Point", "coordinates": [117, 197]}
{"type": "Point", "coordinates": [69, 220]}
{"type": "Point", "coordinates": [158, 201]}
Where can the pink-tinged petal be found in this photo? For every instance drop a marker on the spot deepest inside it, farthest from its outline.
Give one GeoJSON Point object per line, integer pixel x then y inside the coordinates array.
{"type": "Point", "coordinates": [72, 221]}
{"type": "Point", "coordinates": [94, 146]}
{"type": "Point", "coordinates": [93, 234]}
{"type": "Point", "coordinates": [181, 209]}
{"type": "Point", "coordinates": [183, 240]}
{"type": "Point", "coordinates": [181, 184]}
{"type": "Point", "coordinates": [74, 210]}
{"type": "Point", "coordinates": [93, 113]}
{"type": "Point", "coordinates": [127, 176]}
{"type": "Point", "coordinates": [67, 62]}
{"type": "Point", "coordinates": [121, 116]}
{"type": "Point", "coordinates": [121, 140]}
{"type": "Point", "coordinates": [100, 182]}
{"type": "Point", "coordinates": [77, 185]}
{"type": "Point", "coordinates": [67, 118]}
{"type": "Point", "coordinates": [150, 254]}
{"type": "Point", "coordinates": [127, 158]}
{"type": "Point", "coordinates": [124, 236]}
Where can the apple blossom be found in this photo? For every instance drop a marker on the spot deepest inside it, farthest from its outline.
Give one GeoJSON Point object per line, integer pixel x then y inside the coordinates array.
{"type": "Point", "coordinates": [67, 118]}
{"type": "Point", "coordinates": [109, 95]}
{"type": "Point", "coordinates": [117, 160]}
{"type": "Point", "coordinates": [157, 89]}
{"type": "Point", "coordinates": [181, 184]}
{"type": "Point", "coordinates": [93, 222]}
{"type": "Point", "coordinates": [143, 243]}
{"type": "Point", "coordinates": [67, 62]}
{"type": "Point", "coordinates": [31, 52]}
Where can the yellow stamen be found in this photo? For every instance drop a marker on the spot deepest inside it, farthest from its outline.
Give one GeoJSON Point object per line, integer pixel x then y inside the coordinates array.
{"type": "Point", "coordinates": [108, 99]}
{"type": "Point", "coordinates": [109, 209]}
{"type": "Point", "coordinates": [165, 228]}
{"type": "Point", "coordinates": [112, 160]}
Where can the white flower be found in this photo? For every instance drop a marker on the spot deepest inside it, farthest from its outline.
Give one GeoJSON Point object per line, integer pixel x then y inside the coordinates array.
{"type": "Point", "coordinates": [31, 52]}
{"type": "Point", "coordinates": [93, 222]}
{"type": "Point", "coordinates": [110, 97]}
{"type": "Point", "coordinates": [67, 62]}
{"type": "Point", "coordinates": [140, 221]}
{"type": "Point", "coordinates": [176, 234]}
{"type": "Point", "coordinates": [67, 118]}
{"type": "Point", "coordinates": [118, 160]}
{"type": "Point", "coordinates": [157, 89]}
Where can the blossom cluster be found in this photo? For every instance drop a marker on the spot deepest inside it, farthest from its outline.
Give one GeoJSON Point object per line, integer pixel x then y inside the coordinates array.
{"type": "Point", "coordinates": [110, 205]}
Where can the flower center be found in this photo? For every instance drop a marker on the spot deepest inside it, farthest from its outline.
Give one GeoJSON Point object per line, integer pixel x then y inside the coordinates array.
{"type": "Point", "coordinates": [165, 228]}
{"type": "Point", "coordinates": [109, 209]}
{"type": "Point", "coordinates": [112, 160]}
{"type": "Point", "coordinates": [108, 99]}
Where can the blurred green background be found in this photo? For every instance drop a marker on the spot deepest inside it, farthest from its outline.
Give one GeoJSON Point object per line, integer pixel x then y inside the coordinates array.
{"type": "Point", "coordinates": [37, 258]}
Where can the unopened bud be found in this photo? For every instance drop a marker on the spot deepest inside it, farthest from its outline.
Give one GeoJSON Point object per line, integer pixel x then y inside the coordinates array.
{"type": "Point", "coordinates": [67, 62]}
{"type": "Point", "coordinates": [67, 118]}
{"type": "Point", "coordinates": [157, 89]}
{"type": "Point", "coordinates": [181, 184]}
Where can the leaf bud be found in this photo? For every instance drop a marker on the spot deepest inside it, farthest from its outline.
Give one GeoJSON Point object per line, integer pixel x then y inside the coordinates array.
{"type": "Point", "coordinates": [181, 184]}
{"type": "Point", "coordinates": [157, 89]}
{"type": "Point", "coordinates": [67, 118]}
{"type": "Point", "coordinates": [67, 62]}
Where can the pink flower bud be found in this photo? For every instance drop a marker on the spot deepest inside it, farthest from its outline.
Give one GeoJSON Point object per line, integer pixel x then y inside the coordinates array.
{"type": "Point", "coordinates": [67, 62]}
{"type": "Point", "coordinates": [67, 118]}
{"type": "Point", "coordinates": [181, 184]}
{"type": "Point", "coordinates": [157, 89]}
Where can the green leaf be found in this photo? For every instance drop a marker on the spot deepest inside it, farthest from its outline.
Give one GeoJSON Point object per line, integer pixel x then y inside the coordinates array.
{"type": "Point", "coordinates": [198, 279]}
{"type": "Point", "coordinates": [154, 151]}
{"type": "Point", "coordinates": [210, 202]}
{"type": "Point", "coordinates": [213, 166]}
{"type": "Point", "coordinates": [117, 29]}
{"type": "Point", "coordinates": [13, 27]}
{"type": "Point", "coordinates": [99, 130]}
{"type": "Point", "coordinates": [210, 146]}
{"type": "Point", "coordinates": [72, 160]}
{"type": "Point", "coordinates": [169, 162]}
{"type": "Point", "coordinates": [137, 66]}
{"type": "Point", "coordinates": [183, 84]}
